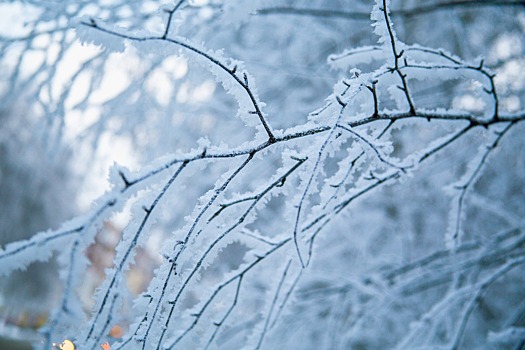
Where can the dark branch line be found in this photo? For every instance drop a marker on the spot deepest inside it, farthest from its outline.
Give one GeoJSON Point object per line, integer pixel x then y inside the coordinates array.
{"type": "Point", "coordinates": [406, 13]}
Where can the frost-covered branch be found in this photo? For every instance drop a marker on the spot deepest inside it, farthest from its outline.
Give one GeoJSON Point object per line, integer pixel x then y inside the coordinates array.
{"type": "Point", "coordinates": [330, 219]}
{"type": "Point", "coordinates": [239, 76]}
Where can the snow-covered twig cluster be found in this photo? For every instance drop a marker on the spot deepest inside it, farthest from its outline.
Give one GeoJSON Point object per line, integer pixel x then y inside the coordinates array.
{"type": "Point", "coordinates": [303, 181]}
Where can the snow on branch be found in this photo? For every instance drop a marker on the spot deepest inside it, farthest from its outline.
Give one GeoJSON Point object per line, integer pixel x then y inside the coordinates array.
{"type": "Point", "coordinates": [224, 71]}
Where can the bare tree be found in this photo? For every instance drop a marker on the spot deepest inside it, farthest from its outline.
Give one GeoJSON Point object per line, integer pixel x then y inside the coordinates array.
{"type": "Point", "coordinates": [376, 204]}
